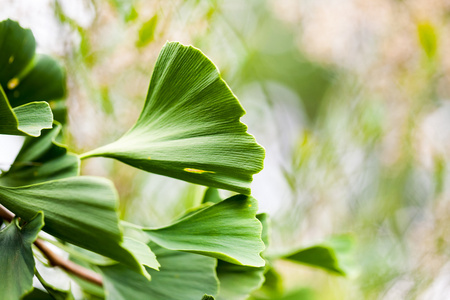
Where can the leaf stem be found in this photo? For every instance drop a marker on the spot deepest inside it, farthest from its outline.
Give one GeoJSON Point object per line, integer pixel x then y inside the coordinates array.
{"type": "Point", "coordinates": [56, 260]}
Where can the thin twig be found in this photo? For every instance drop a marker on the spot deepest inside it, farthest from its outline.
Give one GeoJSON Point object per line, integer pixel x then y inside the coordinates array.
{"type": "Point", "coordinates": [56, 260]}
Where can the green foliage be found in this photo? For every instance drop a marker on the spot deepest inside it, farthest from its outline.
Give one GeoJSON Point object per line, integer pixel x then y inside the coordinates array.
{"type": "Point", "coordinates": [17, 257]}
{"type": "Point", "coordinates": [189, 129]}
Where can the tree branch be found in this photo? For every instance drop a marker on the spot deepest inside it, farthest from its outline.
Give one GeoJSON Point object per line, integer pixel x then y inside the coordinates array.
{"type": "Point", "coordinates": [56, 260]}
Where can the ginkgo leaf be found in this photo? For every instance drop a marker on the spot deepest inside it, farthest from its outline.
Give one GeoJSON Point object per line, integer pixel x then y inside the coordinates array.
{"type": "Point", "coordinates": [25, 76]}
{"type": "Point", "coordinates": [181, 276]}
{"type": "Point", "coordinates": [16, 259]}
{"type": "Point", "coordinates": [319, 256]}
{"type": "Point", "coordinates": [237, 282]}
{"type": "Point", "coordinates": [227, 230]}
{"type": "Point", "coordinates": [27, 119]}
{"type": "Point", "coordinates": [189, 127]}
{"type": "Point", "coordinates": [80, 210]}
{"type": "Point", "coordinates": [41, 159]}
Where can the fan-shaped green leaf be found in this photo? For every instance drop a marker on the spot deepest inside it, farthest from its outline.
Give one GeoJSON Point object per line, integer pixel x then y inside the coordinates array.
{"type": "Point", "coordinates": [182, 276]}
{"type": "Point", "coordinates": [227, 230]}
{"type": "Point", "coordinates": [16, 259]}
{"type": "Point", "coordinates": [189, 127]}
{"type": "Point", "coordinates": [79, 210]}
{"type": "Point", "coordinates": [28, 119]}
{"type": "Point", "coordinates": [41, 159]}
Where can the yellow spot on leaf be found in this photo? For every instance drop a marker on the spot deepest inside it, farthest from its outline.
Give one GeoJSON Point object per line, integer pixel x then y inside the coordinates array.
{"type": "Point", "coordinates": [249, 205]}
{"type": "Point", "coordinates": [197, 171]}
{"type": "Point", "coordinates": [149, 157]}
{"type": "Point", "coordinates": [13, 83]}
{"type": "Point", "coordinates": [11, 59]}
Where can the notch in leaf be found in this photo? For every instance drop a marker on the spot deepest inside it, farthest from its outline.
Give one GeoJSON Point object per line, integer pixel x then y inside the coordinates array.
{"type": "Point", "coordinates": [189, 127]}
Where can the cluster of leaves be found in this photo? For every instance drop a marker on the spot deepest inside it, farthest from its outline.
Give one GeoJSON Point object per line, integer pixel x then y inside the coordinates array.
{"type": "Point", "coordinates": [189, 129]}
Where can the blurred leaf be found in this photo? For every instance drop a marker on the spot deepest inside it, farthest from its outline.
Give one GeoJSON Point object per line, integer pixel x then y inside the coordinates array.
{"type": "Point", "coordinates": [55, 293]}
{"type": "Point", "coordinates": [189, 128]}
{"type": "Point", "coordinates": [16, 259]}
{"type": "Point", "coordinates": [182, 276]}
{"type": "Point", "coordinates": [28, 119]}
{"type": "Point", "coordinates": [317, 256]}
{"type": "Point", "coordinates": [24, 76]}
{"type": "Point", "coordinates": [38, 294]}
{"type": "Point", "coordinates": [227, 230]}
{"type": "Point", "coordinates": [211, 196]}
{"type": "Point", "coordinates": [147, 32]}
{"type": "Point", "coordinates": [428, 38]}
{"type": "Point", "coordinates": [79, 210]}
{"type": "Point", "coordinates": [41, 159]}
{"type": "Point", "coordinates": [299, 294]}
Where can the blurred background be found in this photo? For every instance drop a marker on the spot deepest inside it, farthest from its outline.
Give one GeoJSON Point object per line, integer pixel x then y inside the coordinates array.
{"type": "Point", "coordinates": [350, 98]}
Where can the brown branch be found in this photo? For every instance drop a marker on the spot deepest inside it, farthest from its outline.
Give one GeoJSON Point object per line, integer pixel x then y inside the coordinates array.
{"type": "Point", "coordinates": [56, 260]}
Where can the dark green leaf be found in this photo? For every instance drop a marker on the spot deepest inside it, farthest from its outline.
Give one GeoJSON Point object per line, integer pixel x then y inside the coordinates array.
{"type": "Point", "coordinates": [322, 257]}
{"type": "Point", "coordinates": [24, 76]}
{"type": "Point", "coordinates": [189, 127]}
{"type": "Point", "coordinates": [207, 297]}
{"type": "Point", "coordinates": [16, 259]}
{"type": "Point", "coordinates": [182, 276]}
{"type": "Point", "coordinates": [38, 294]}
{"type": "Point", "coordinates": [41, 159]}
{"type": "Point", "coordinates": [79, 210]}
{"type": "Point", "coordinates": [227, 230]}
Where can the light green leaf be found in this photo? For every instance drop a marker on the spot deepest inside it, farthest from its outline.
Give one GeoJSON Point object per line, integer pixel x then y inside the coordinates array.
{"type": "Point", "coordinates": [28, 119]}
{"type": "Point", "coordinates": [323, 257]}
{"type": "Point", "coordinates": [24, 76]}
{"type": "Point", "coordinates": [142, 252]}
{"type": "Point", "coordinates": [16, 259]}
{"type": "Point", "coordinates": [237, 282]}
{"type": "Point", "coordinates": [41, 159]}
{"type": "Point", "coordinates": [147, 32]}
{"type": "Point", "coordinates": [227, 230]}
{"type": "Point", "coordinates": [189, 127]}
{"type": "Point", "coordinates": [182, 276]}
{"type": "Point", "coordinates": [80, 210]}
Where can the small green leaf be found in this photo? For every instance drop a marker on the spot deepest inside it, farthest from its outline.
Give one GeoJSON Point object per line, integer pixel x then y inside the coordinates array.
{"type": "Point", "coordinates": [212, 196]}
{"type": "Point", "coordinates": [227, 230]}
{"type": "Point", "coordinates": [142, 252]}
{"type": "Point", "coordinates": [182, 276]}
{"type": "Point", "coordinates": [80, 210]}
{"type": "Point", "coordinates": [323, 257]}
{"type": "Point", "coordinates": [28, 119]}
{"type": "Point", "coordinates": [147, 32]}
{"type": "Point", "coordinates": [189, 127]}
{"type": "Point", "coordinates": [207, 297]}
{"type": "Point", "coordinates": [41, 159]}
{"type": "Point", "coordinates": [16, 259]}
{"type": "Point", "coordinates": [428, 38]}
